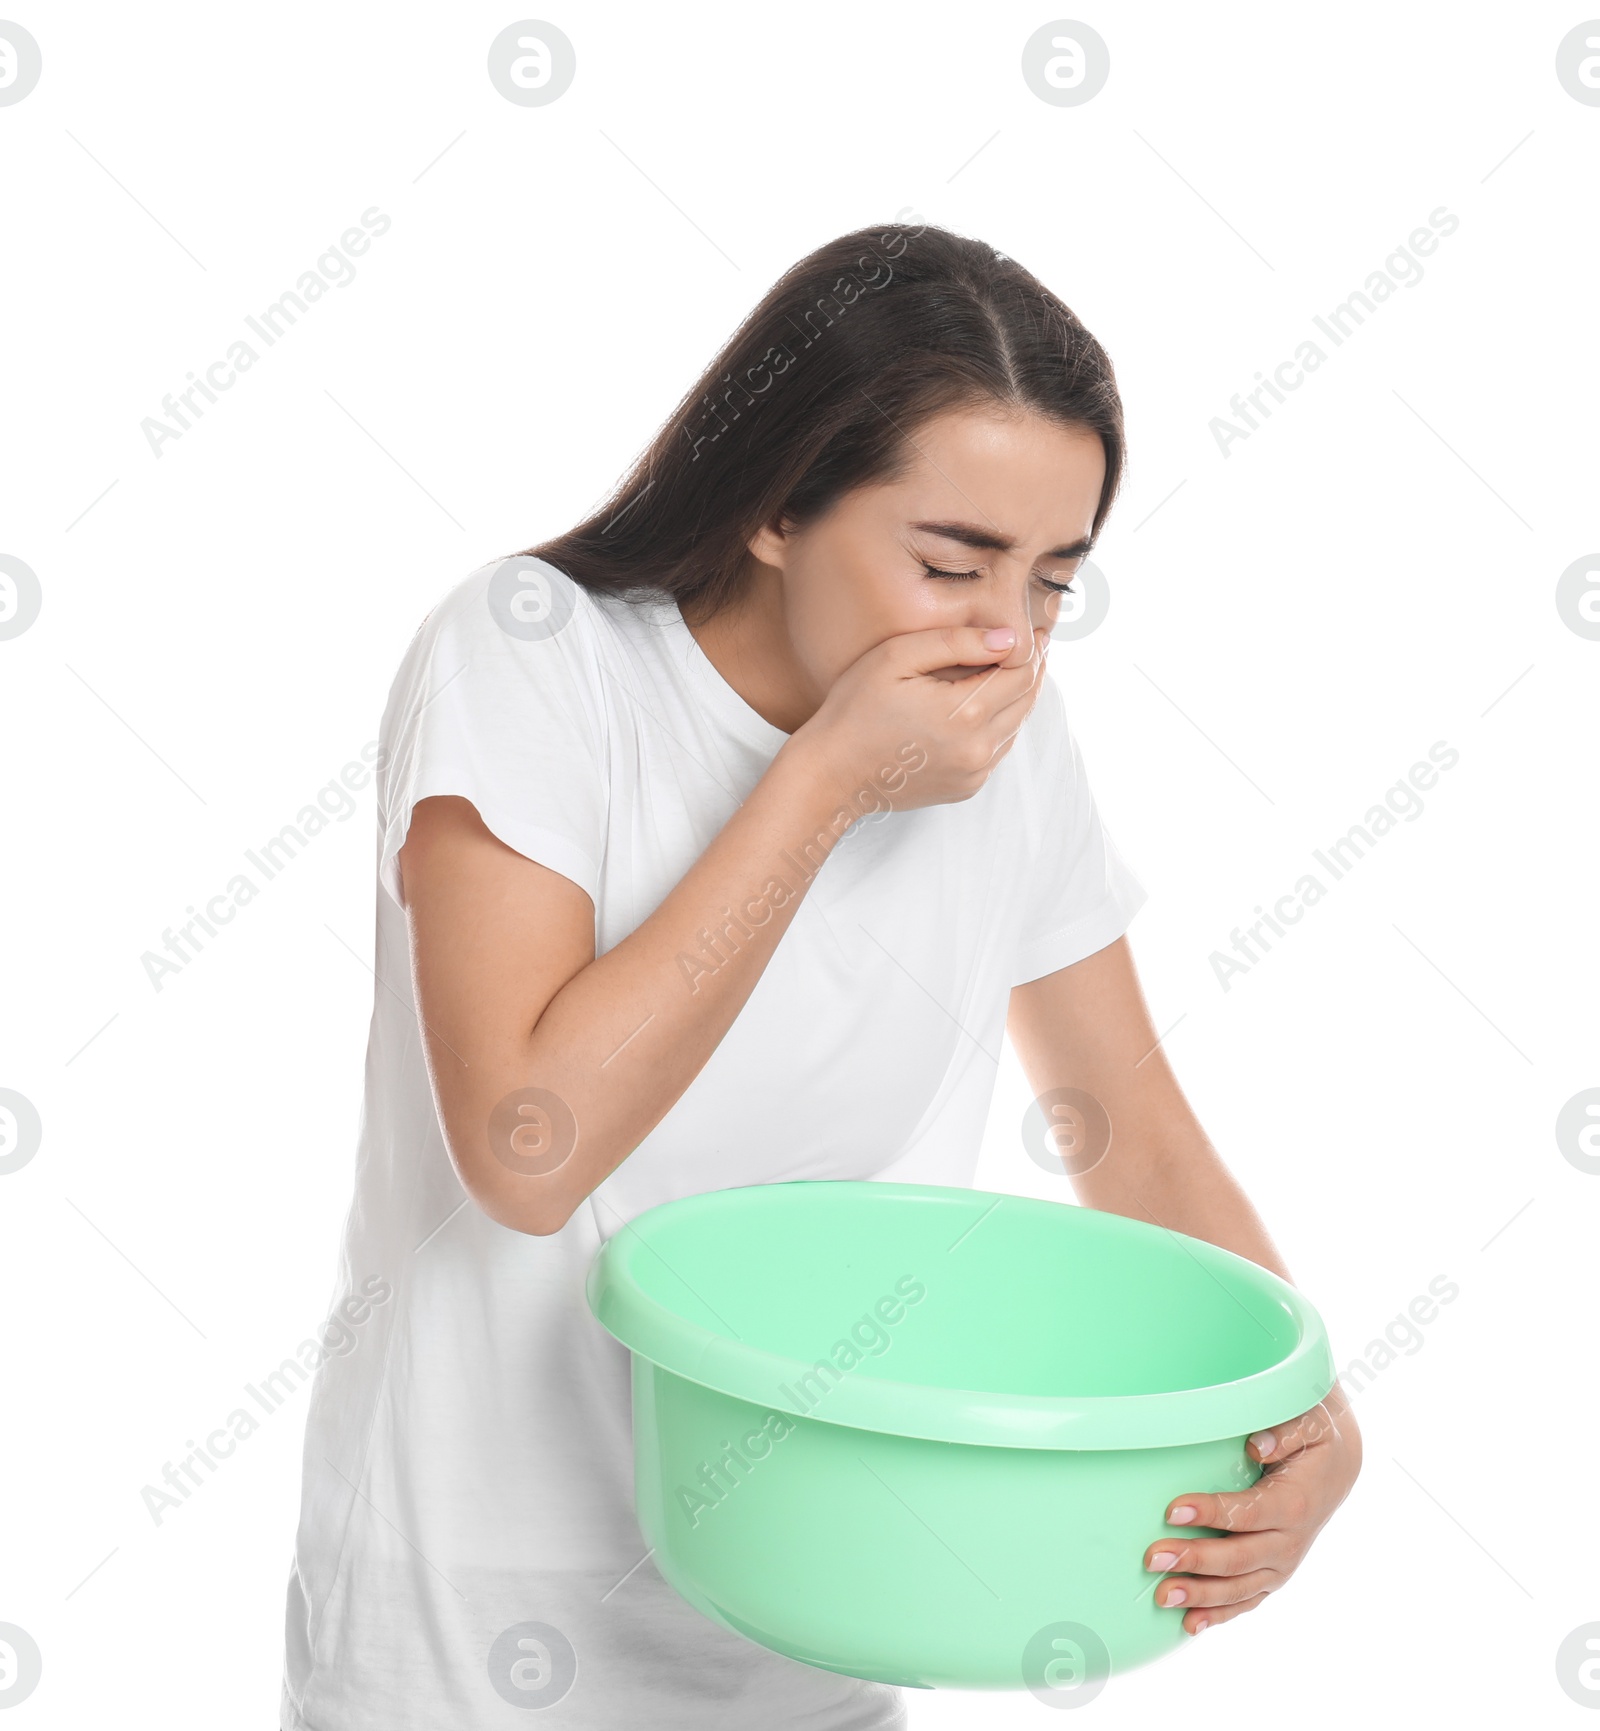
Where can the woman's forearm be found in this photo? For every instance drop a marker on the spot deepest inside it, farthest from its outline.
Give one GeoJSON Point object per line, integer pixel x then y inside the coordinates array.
{"type": "Point", "coordinates": [1087, 1028]}
{"type": "Point", "coordinates": [1176, 1179]}
{"type": "Point", "coordinates": [620, 1042]}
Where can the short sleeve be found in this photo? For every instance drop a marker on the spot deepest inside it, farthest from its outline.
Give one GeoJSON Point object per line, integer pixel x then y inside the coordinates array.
{"type": "Point", "coordinates": [498, 700]}
{"type": "Point", "coordinates": [1080, 894]}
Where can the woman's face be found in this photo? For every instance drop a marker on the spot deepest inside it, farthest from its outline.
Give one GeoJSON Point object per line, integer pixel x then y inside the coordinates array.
{"type": "Point", "coordinates": [1009, 498]}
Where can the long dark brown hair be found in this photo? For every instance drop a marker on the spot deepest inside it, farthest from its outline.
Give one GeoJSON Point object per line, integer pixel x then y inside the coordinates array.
{"type": "Point", "coordinates": [820, 391]}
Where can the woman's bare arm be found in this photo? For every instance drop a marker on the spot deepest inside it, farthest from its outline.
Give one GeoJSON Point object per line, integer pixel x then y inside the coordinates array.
{"type": "Point", "coordinates": [1086, 1026]}
{"type": "Point", "coordinates": [514, 1000]}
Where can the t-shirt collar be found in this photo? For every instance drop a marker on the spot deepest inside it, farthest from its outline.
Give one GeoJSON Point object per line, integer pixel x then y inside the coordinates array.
{"type": "Point", "coordinates": [749, 724]}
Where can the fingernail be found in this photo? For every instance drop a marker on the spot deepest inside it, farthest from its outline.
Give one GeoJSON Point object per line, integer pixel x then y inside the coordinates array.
{"type": "Point", "coordinates": [1176, 1597]}
{"type": "Point", "coordinates": [1001, 637]}
{"type": "Point", "coordinates": [1265, 1442]}
{"type": "Point", "coordinates": [1181, 1517]}
{"type": "Point", "coordinates": [1162, 1560]}
{"type": "Point", "coordinates": [1200, 1625]}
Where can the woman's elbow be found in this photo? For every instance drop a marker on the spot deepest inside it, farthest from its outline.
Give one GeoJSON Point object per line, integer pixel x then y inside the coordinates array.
{"type": "Point", "coordinates": [534, 1203]}
{"type": "Point", "coordinates": [538, 1217]}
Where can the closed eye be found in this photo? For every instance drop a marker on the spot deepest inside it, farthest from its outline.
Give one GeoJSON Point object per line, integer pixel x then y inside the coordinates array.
{"type": "Point", "coordinates": [967, 576]}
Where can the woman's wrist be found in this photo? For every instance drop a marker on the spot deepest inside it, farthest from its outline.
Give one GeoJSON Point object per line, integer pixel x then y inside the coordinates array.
{"type": "Point", "coordinates": [804, 766]}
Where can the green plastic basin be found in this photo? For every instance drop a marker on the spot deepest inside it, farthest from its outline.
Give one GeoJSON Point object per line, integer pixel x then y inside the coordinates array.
{"type": "Point", "coordinates": [925, 1435]}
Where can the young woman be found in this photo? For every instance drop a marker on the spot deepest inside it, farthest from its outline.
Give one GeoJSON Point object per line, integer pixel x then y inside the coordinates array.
{"type": "Point", "coordinates": [720, 840]}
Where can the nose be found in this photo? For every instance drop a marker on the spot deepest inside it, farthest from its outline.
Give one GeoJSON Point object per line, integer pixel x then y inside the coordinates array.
{"type": "Point", "coordinates": [1014, 610]}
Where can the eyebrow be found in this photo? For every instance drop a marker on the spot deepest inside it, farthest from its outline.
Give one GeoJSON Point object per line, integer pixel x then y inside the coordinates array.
{"type": "Point", "coordinates": [975, 535]}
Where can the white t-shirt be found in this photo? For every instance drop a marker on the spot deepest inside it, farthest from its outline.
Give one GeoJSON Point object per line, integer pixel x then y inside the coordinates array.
{"type": "Point", "coordinates": [468, 1455]}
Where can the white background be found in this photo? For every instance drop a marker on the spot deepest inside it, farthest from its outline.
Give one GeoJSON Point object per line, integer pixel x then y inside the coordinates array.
{"type": "Point", "coordinates": [1292, 626]}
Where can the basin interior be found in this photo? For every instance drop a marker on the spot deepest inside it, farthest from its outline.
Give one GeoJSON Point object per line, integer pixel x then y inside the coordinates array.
{"type": "Point", "coordinates": [1018, 1296]}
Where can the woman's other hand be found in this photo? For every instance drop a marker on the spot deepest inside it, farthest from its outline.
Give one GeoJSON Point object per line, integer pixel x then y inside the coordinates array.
{"type": "Point", "coordinates": [1307, 1469]}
